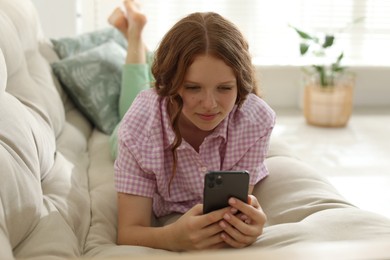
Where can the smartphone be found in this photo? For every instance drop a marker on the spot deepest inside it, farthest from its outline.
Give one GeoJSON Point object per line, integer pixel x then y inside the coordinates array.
{"type": "Point", "coordinates": [219, 186]}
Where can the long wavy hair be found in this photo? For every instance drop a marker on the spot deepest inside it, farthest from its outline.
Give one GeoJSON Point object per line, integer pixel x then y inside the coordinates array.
{"type": "Point", "coordinates": [196, 34]}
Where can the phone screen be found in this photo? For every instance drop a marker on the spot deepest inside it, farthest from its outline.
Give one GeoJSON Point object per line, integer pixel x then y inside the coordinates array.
{"type": "Point", "coordinates": [219, 186]}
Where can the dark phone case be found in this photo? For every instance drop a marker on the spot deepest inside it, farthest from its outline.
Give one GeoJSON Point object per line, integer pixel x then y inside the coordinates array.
{"type": "Point", "coordinates": [219, 186]}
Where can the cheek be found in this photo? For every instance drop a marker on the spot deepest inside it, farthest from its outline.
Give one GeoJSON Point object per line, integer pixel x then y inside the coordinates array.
{"type": "Point", "coordinates": [231, 101]}
{"type": "Point", "coordinates": [230, 105]}
{"type": "Point", "coordinates": [189, 101]}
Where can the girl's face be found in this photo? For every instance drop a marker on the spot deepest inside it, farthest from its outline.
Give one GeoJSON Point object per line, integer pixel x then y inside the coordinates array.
{"type": "Point", "coordinates": [209, 92]}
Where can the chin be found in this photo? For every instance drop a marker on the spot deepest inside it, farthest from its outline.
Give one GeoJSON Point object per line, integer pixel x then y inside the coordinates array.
{"type": "Point", "coordinates": [208, 127]}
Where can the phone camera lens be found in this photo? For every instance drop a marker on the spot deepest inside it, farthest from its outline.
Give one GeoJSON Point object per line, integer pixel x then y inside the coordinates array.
{"type": "Point", "coordinates": [219, 180]}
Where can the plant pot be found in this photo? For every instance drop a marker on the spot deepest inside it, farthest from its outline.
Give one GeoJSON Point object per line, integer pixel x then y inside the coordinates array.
{"type": "Point", "coordinates": [329, 106]}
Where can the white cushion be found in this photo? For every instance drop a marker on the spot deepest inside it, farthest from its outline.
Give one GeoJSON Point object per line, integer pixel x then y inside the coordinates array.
{"type": "Point", "coordinates": [44, 188]}
{"type": "Point", "coordinates": [3, 73]}
{"type": "Point", "coordinates": [20, 186]}
{"type": "Point", "coordinates": [29, 76]}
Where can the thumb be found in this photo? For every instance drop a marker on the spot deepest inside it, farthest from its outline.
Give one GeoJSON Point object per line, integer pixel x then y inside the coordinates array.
{"type": "Point", "coordinates": [249, 200]}
{"type": "Point", "coordinates": [197, 210]}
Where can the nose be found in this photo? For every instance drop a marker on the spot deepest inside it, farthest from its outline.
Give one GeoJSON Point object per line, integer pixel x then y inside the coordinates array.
{"type": "Point", "coordinates": [209, 101]}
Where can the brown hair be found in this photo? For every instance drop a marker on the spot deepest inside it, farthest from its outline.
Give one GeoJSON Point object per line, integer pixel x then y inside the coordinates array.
{"type": "Point", "coordinates": [196, 34]}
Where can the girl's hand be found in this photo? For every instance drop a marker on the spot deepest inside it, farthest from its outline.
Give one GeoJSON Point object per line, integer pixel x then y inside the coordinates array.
{"type": "Point", "coordinates": [195, 231]}
{"type": "Point", "coordinates": [241, 230]}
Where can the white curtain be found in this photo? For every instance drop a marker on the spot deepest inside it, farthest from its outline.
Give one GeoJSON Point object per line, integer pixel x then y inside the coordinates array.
{"type": "Point", "coordinates": [265, 23]}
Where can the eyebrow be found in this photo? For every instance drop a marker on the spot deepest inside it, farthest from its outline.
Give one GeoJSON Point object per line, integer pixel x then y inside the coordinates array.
{"type": "Point", "coordinates": [221, 83]}
{"type": "Point", "coordinates": [228, 82]}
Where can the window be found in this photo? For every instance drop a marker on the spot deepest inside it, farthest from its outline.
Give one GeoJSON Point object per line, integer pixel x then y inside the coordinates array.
{"type": "Point", "coordinates": [265, 25]}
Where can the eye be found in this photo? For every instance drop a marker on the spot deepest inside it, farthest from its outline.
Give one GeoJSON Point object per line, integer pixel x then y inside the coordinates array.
{"type": "Point", "coordinates": [225, 87]}
{"type": "Point", "coordinates": [191, 87]}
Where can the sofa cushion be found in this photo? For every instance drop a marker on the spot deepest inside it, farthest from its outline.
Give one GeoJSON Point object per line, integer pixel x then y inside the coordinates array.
{"type": "Point", "coordinates": [65, 210]}
{"type": "Point", "coordinates": [101, 239]}
{"type": "Point", "coordinates": [46, 49]}
{"type": "Point", "coordinates": [41, 189]}
{"type": "Point", "coordinates": [20, 186]}
{"type": "Point", "coordinates": [302, 206]}
{"type": "Point", "coordinates": [29, 77]}
{"type": "Point", "coordinates": [92, 79]}
{"type": "Point", "coordinates": [5, 242]}
{"type": "Point", "coordinates": [27, 156]}
{"type": "Point", "coordinates": [3, 74]}
{"type": "Point", "coordinates": [69, 46]}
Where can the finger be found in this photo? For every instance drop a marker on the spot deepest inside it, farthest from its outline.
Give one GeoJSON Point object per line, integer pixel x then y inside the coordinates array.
{"type": "Point", "coordinates": [219, 245]}
{"type": "Point", "coordinates": [245, 219]}
{"type": "Point", "coordinates": [254, 213]}
{"type": "Point", "coordinates": [197, 209]}
{"type": "Point", "coordinates": [231, 242]}
{"type": "Point", "coordinates": [211, 230]}
{"type": "Point", "coordinates": [238, 229]}
{"type": "Point", "coordinates": [231, 230]}
{"type": "Point", "coordinates": [234, 211]}
{"type": "Point", "coordinates": [213, 217]}
{"type": "Point", "coordinates": [249, 200]}
{"type": "Point", "coordinates": [214, 241]}
{"type": "Point", "coordinates": [252, 200]}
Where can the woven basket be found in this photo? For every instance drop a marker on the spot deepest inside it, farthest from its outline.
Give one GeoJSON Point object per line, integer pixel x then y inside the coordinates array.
{"type": "Point", "coordinates": [330, 106]}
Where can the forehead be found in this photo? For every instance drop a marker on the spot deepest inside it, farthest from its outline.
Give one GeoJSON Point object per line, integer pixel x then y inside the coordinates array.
{"type": "Point", "coordinates": [209, 68]}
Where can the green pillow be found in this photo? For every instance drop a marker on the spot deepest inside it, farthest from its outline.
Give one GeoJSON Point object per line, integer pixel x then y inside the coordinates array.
{"type": "Point", "coordinates": [69, 46]}
{"type": "Point", "coordinates": [92, 80]}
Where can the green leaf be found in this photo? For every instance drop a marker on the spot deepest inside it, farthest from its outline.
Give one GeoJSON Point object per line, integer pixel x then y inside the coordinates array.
{"type": "Point", "coordinates": [338, 69]}
{"type": "Point", "coordinates": [303, 48]}
{"type": "Point", "coordinates": [303, 34]}
{"type": "Point", "coordinates": [329, 39]}
{"type": "Point", "coordinates": [321, 71]}
{"type": "Point", "coordinates": [336, 66]}
{"type": "Point", "coordinates": [339, 58]}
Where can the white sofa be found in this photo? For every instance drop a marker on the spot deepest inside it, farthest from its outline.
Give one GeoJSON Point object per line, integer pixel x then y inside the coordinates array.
{"type": "Point", "coordinates": [56, 174]}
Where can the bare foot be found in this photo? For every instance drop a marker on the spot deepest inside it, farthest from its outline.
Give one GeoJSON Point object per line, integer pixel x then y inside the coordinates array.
{"type": "Point", "coordinates": [119, 21]}
{"type": "Point", "coordinates": [130, 23]}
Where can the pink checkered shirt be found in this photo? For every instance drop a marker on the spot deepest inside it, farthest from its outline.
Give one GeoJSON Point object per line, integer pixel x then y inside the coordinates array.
{"type": "Point", "coordinates": [144, 163]}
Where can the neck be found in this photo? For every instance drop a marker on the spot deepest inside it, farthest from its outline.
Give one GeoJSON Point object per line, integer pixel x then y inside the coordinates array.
{"type": "Point", "coordinates": [192, 134]}
{"type": "Point", "coordinates": [189, 132]}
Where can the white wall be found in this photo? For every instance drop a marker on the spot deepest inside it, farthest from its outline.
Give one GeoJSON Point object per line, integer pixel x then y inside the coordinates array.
{"type": "Point", "coordinates": [281, 85]}
{"type": "Point", "coordinates": [58, 17]}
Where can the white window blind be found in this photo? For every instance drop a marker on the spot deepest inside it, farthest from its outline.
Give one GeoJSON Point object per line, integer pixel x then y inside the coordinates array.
{"type": "Point", "coordinates": [265, 25]}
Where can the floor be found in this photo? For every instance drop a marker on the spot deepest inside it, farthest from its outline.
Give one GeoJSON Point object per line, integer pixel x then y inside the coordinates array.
{"type": "Point", "coordinates": [356, 159]}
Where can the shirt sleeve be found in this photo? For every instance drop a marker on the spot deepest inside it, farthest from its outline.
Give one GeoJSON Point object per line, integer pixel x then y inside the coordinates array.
{"type": "Point", "coordinates": [253, 159]}
{"type": "Point", "coordinates": [130, 178]}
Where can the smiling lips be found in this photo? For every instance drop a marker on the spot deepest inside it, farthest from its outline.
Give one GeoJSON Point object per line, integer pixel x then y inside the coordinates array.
{"type": "Point", "coordinates": [208, 117]}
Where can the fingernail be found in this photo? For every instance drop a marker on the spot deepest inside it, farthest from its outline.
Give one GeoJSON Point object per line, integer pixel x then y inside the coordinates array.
{"type": "Point", "coordinates": [226, 216]}
{"type": "Point", "coordinates": [232, 200]}
{"type": "Point", "coordinates": [222, 224]}
{"type": "Point", "coordinates": [233, 211]}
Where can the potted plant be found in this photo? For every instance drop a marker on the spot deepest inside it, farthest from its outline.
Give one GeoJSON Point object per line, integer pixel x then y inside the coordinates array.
{"type": "Point", "coordinates": [328, 90]}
